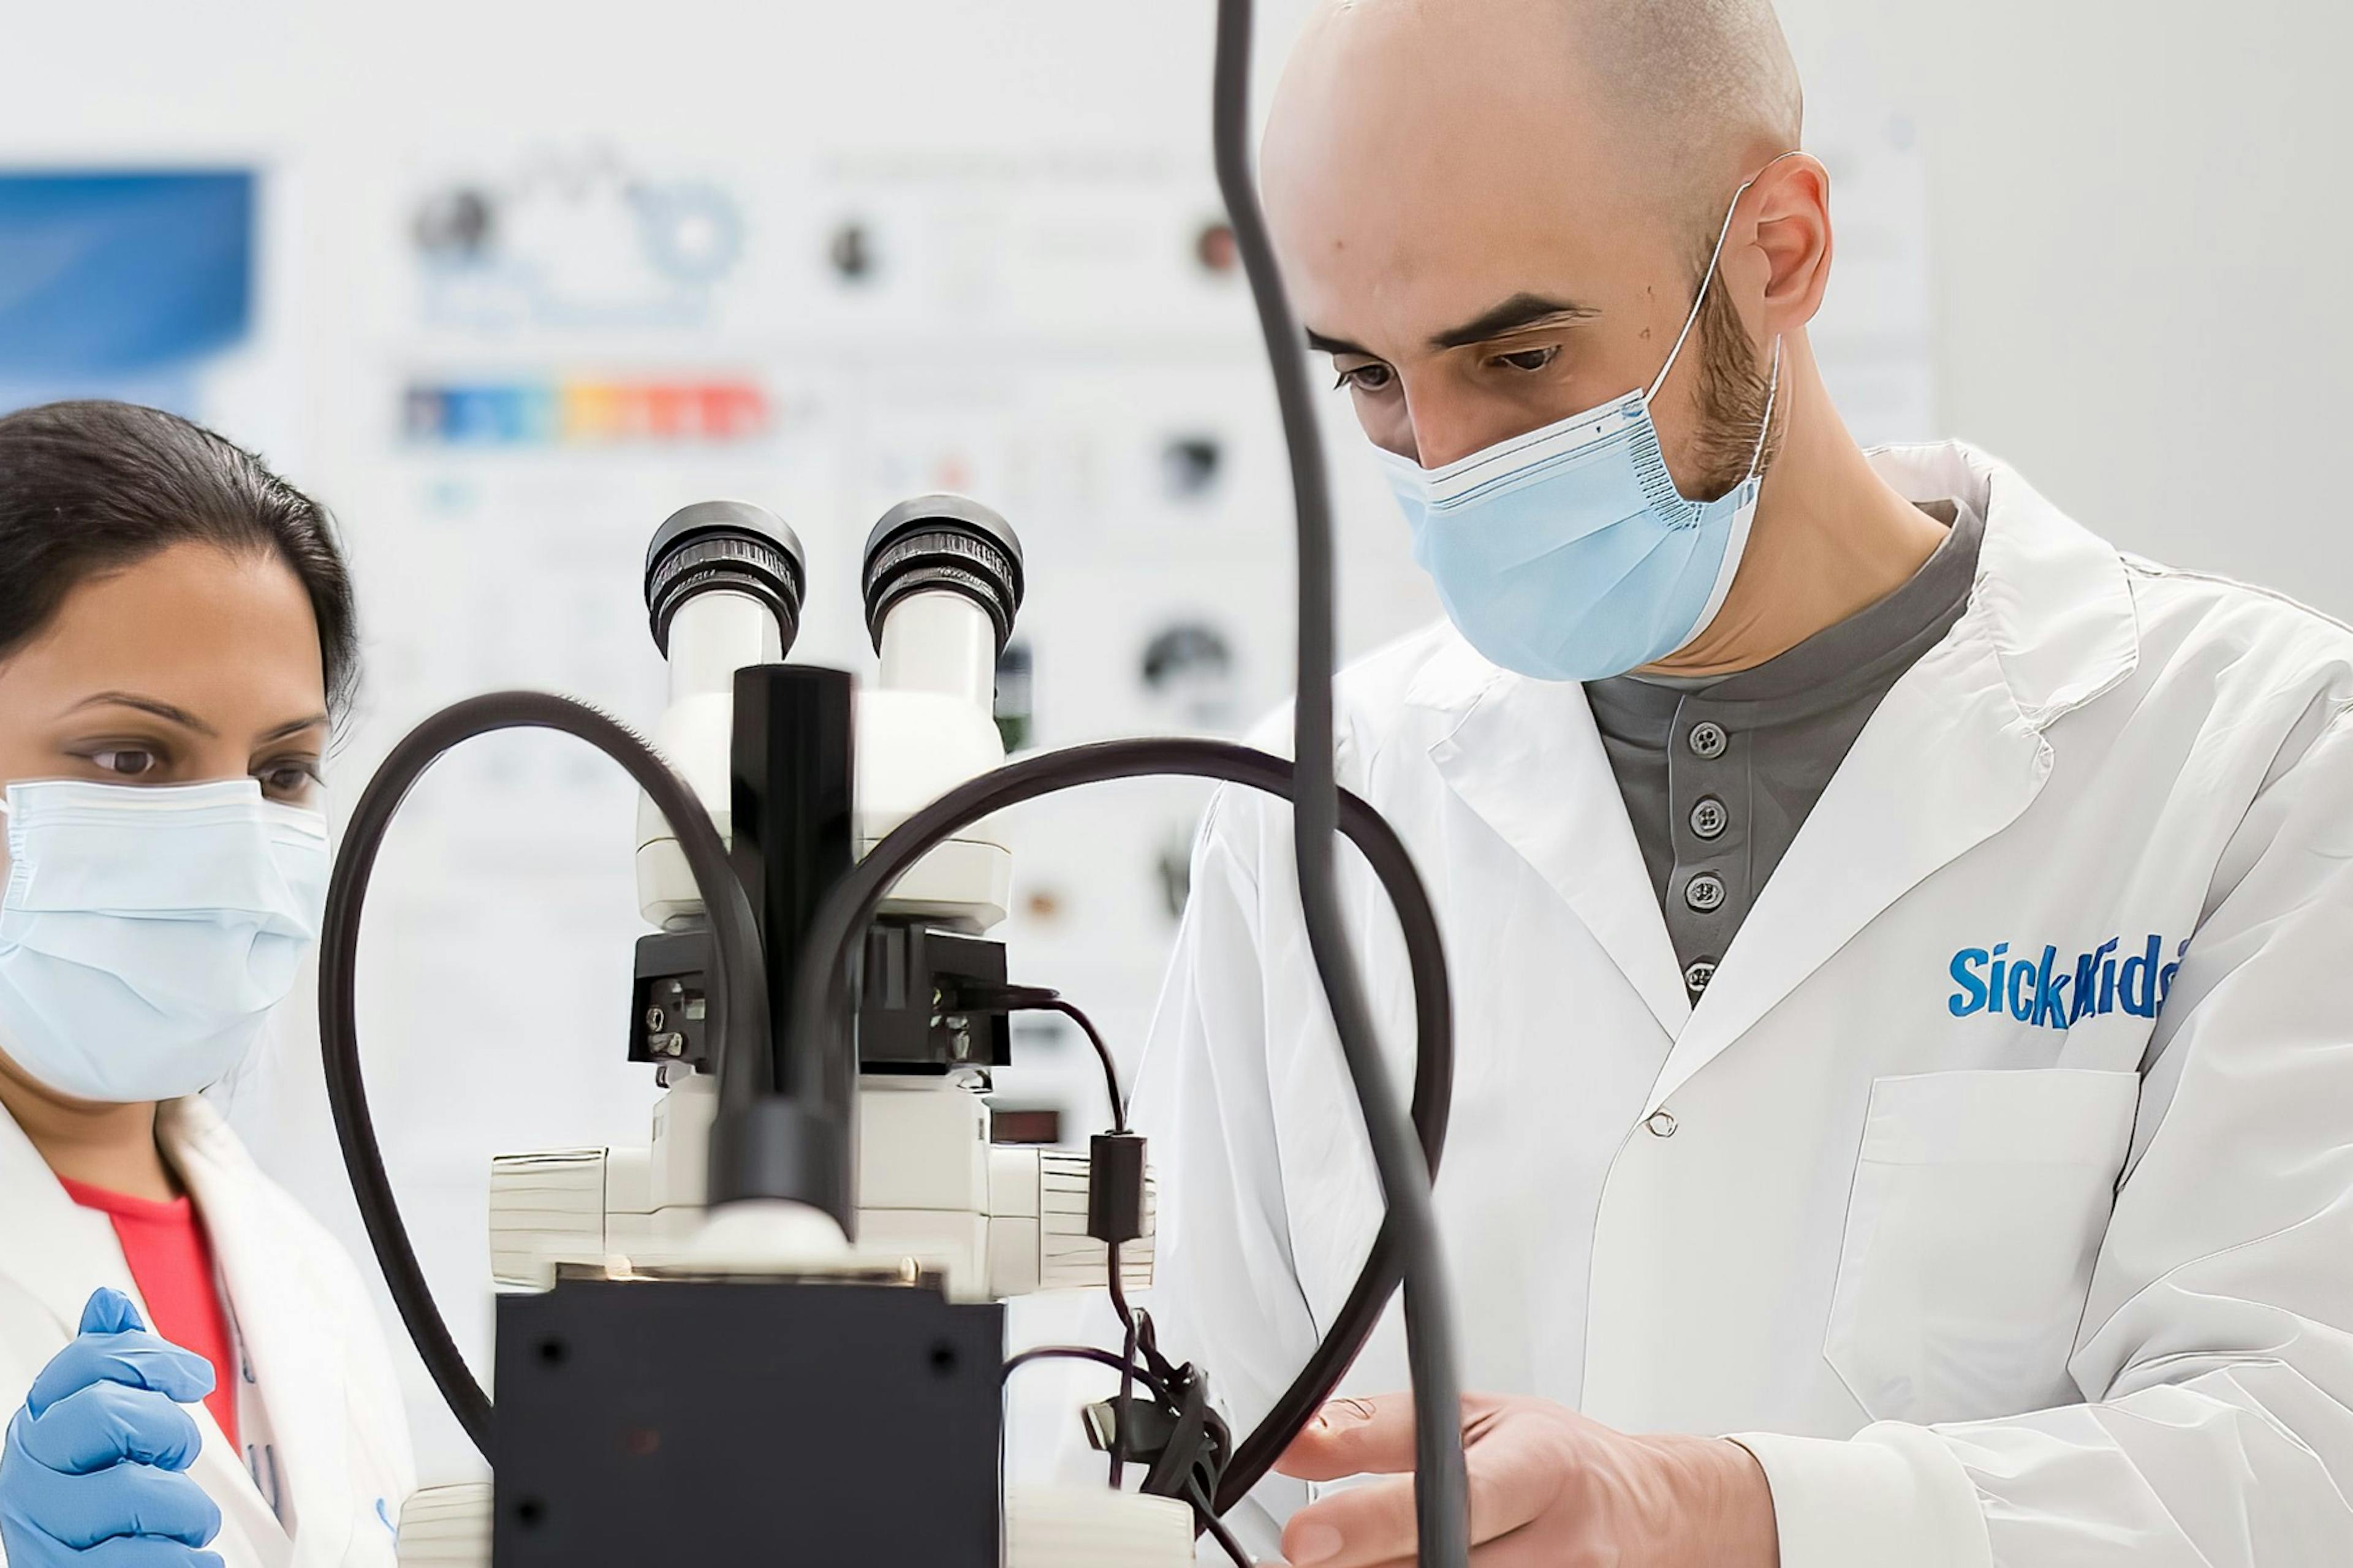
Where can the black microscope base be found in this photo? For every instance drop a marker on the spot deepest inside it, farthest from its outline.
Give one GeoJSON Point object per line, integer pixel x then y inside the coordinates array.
{"type": "Point", "coordinates": [647, 1424]}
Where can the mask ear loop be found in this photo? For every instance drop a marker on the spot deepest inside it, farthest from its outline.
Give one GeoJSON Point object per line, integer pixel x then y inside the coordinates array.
{"type": "Point", "coordinates": [1772, 392]}
{"type": "Point", "coordinates": [1708, 281]}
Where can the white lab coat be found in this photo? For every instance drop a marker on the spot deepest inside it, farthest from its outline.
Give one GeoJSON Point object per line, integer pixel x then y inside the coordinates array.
{"type": "Point", "coordinates": [321, 1369]}
{"type": "Point", "coordinates": [2060, 1289]}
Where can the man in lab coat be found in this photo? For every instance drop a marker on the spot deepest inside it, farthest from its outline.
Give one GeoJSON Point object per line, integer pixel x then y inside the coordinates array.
{"type": "Point", "coordinates": [1904, 1108]}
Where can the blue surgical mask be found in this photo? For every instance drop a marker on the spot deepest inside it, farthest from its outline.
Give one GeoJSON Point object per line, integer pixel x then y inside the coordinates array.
{"type": "Point", "coordinates": [1567, 554]}
{"type": "Point", "coordinates": [147, 932]}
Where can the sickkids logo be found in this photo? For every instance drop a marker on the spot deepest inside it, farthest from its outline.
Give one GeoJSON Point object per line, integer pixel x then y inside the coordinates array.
{"type": "Point", "coordinates": [2052, 996]}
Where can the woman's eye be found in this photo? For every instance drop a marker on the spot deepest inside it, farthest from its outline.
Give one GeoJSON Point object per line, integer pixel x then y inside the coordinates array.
{"type": "Point", "coordinates": [124, 762]}
{"type": "Point", "coordinates": [289, 779]}
{"type": "Point", "coordinates": [1374, 377]}
{"type": "Point", "coordinates": [1528, 359]}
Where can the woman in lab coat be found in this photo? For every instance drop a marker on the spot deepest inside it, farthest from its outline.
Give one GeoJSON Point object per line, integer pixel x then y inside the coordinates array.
{"type": "Point", "coordinates": [194, 1372]}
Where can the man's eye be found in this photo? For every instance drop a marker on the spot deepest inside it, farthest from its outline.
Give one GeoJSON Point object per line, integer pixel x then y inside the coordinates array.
{"type": "Point", "coordinates": [125, 761]}
{"type": "Point", "coordinates": [1374, 377]}
{"type": "Point", "coordinates": [1528, 359]}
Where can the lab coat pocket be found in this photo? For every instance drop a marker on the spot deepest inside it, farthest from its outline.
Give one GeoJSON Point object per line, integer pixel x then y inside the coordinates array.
{"type": "Point", "coordinates": [1978, 1204]}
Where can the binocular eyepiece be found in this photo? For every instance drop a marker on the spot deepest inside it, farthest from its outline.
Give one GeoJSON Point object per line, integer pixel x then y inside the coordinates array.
{"type": "Point", "coordinates": [934, 543]}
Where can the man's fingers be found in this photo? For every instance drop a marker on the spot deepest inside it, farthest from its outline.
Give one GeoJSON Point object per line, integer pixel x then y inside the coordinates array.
{"type": "Point", "coordinates": [1367, 1437]}
{"type": "Point", "coordinates": [1354, 1438]}
{"type": "Point", "coordinates": [134, 1357]}
{"type": "Point", "coordinates": [106, 1423]}
{"type": "Point", "coordinates": [1513, 1476]}
{"type": "Point", "coordinates": [1360, 1528]}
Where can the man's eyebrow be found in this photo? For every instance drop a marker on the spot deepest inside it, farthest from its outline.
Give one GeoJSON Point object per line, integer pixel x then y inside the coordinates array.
{"type": "Point", "coordinates": [179, 716]}
{"type": "Point", "coordinates": [1323, 345]}
{"type": "Point", "coordinates": [1515, 314]}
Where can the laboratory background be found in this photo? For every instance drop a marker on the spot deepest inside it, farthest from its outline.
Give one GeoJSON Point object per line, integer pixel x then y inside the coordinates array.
{"type": "Point", "coordinates": [505, 284]}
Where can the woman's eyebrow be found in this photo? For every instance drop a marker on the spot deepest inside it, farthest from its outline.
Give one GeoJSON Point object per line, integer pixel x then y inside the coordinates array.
{"type": "Point", "coordinates": [160, 709]}
{"type": "Point", "coordinates": [295, 727]}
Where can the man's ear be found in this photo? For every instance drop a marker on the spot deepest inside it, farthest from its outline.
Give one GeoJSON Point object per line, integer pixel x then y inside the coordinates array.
{"type": "Point", "coordinates": [1787, 262]}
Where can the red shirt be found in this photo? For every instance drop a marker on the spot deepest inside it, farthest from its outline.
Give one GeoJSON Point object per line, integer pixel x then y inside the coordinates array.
{"type": "Point", "coordinates": [170, 1261]}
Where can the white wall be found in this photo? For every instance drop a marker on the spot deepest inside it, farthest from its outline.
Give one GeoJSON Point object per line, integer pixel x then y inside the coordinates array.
{"type": "Point", "coordinates": [2138, 229]}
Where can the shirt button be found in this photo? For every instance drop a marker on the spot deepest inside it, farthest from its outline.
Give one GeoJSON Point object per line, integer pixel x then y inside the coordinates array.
{"type": "Point", "coordinates": [1661, 1125]}
{"type": "Point", "coordinates": [1708, 738]}
{"type": "Point", "coordinates": [1697, 976]}
{"type": "Point", "coordinates": [1704, 892]}
{"type": "Point", "coordinates": [1709, 819]}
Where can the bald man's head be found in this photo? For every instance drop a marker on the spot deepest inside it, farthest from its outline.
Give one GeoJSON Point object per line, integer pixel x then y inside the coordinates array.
{"type": "Point", "coordinates": [1708, 85]}
{"type": "Point", "coordinates": [1691, 94]}
{"type": "Point", "coordinates": [1512, 200]}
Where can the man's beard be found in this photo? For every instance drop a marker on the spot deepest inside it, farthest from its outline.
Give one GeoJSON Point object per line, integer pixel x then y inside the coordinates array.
{"type": "Point", "coordinates": [1735, 392]}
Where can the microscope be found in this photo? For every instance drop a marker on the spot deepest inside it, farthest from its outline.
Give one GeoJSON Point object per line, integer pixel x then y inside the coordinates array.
{"type": "Point", "coordinates": [775, 1333]}
{"type": "Point", "coordinates": [890, 1365]}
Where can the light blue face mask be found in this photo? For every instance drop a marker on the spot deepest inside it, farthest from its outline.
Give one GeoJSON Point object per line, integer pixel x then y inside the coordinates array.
{"type": "Point", "coordinates": [1567, 554]}
{"type": "Point", "coordinates": [147, 932]}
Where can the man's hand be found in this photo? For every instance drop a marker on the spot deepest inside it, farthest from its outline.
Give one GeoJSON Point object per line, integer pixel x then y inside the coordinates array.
{"type": "Point", "coordinates": [1548, 1489]}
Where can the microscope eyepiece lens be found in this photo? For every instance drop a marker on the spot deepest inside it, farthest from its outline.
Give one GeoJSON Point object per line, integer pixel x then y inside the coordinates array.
{"type": "Point", "coordinates": [947, 543]}
{"type": "Point", "coordinates": [725, 545]}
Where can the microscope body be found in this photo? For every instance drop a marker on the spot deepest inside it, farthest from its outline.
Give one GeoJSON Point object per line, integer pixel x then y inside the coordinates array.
{"type": "Point", "coordinates": [860, 1369]}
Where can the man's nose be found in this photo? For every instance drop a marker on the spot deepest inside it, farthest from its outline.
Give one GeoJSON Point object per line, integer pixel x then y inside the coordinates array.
{"type": "Point", "coordinates": [1446, 429]}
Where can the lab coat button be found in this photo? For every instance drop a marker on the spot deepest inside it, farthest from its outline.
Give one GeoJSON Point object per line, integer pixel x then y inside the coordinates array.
{"type": "Point", "coordinates": [1661, 1124]}
{"type": "Point", "coordinates": [1704, 892]}
{"type": "Point", "coordinates": [1708, 738]}
{"type": "Point", "coordinates": [1697, 976]}
{"type": "Point", "coordinates": [1709, 819]}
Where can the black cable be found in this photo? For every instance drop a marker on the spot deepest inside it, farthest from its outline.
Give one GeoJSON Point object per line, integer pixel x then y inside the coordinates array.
{"type": "Point", "coordinates": [1441, 1484]}
{"type": "Point", "coordinates": [1046, 999]}
{"type": "Point", "coordinates": [1216, 1528]}
{"type": "Point", "coordinates": [1102, 1054]}
{"type": "Point", "coordinates": [737, 1019]}
{"type": "Point", "coordinates": [1130, 1338]}
{"type": "Point", "coordinates": [1087, 1352]}
{"type": "Point", "coordinates": [820, 997]}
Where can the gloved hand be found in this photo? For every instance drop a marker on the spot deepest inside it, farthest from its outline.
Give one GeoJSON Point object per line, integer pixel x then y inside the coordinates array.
{"type": "Point", "coordinates": [93, 1475]}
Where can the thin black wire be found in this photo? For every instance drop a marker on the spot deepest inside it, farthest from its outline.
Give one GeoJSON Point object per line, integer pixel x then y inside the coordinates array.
{"type": "Point", "coordinates": [1130, 1334]}
{"type": "Point", "coordinates": [1102, 1054]}
{"type": "Point", "coordinates": [1441, 1481]}
{"type": "Point", "coordinates": [1086, 1353]}
{"type": "Point", "coordinates": [1216, 1528]}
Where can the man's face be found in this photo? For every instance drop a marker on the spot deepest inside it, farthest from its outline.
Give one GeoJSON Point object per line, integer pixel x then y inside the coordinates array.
{"type": "Point", "coordinates": [1479, 266]}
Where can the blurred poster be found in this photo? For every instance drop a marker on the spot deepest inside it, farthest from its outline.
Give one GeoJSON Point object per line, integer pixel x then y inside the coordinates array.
{"type": "Point", "coordinates": [122, 284]}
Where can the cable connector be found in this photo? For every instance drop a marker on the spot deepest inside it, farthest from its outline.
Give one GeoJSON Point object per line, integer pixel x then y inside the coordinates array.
{"type": "Point", "coordinates": [973, 996]}
{"type": "Point", "coordinates": [1115, 1166]}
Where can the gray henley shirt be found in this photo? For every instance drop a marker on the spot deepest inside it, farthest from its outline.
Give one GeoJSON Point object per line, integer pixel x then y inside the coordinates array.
{"type": "Point", "coordinates": [1719, 773]}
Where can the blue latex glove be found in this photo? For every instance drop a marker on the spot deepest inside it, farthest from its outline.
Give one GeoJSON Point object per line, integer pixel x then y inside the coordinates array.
{"type": "Point", "coordinates": [93, 1472]}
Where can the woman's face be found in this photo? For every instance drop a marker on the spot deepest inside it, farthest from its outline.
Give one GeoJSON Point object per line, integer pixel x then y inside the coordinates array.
{"type": "Point", "coordinates": [191, 665]}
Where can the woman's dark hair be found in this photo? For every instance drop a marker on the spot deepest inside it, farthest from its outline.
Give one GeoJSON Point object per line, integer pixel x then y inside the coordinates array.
{"type": "Point", "coordinates": [92, 487]}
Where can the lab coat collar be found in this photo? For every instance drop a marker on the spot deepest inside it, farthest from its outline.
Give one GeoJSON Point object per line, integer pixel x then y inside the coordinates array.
{"type": "Point", "coordinates": [1526, 756]}
{"type": "Point", "coordinates": [2050, 626]}
{"type": "Point", "coordinates": [2056, 602]}
{"type": "Point", "coordinates": [51, 1247]}
{"type": "Point", "coordinates": [294, 1359]}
